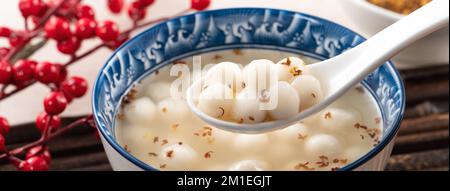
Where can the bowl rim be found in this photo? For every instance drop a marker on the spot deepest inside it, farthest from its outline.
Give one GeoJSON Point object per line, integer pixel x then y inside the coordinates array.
{"type": "Point", "coordinates": [378, 10]}
{"type": "Point", "coordinates": [144, 166]}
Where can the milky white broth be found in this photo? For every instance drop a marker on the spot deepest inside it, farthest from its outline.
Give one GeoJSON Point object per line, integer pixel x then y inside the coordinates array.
{"type": "Point", "coordinates": [166, 135]}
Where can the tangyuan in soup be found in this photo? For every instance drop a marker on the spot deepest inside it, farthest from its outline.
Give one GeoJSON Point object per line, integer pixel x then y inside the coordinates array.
{"type": "Point", "coordinates": [160, 130]}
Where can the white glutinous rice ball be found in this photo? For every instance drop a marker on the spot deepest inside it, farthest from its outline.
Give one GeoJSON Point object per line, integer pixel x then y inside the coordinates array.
{"type": "Point", "coordinates": [249, 165]}
{"type": "Point", "coordinates": [257, 75]}
{"type": "Point", "coordinates": [339, 119]}
{"type": "Point", "coordinates": [247, 108]}
{"type": "Point", "coordinates": [142, 110]}
{"type": "Point", "coordinates": [293, 133]}
{"type": "Point", "coordinates": [287, 102]}
{"type": "Point", "coordinates": [323, 144]}
{"type": "Point", "coordinates": [227, 73]}
{"type": "Point", "coordinates": [173, 110]}
{"type": "Point", "coordinates": [246, 143]}
{"type": "Point", "coordinates": [308, 89]}
{"type": "Point", "coordinates": [177, 156]}
{"type": "Point", "coordinates": [291, 67]}
{"type": "Point", "coordinates": [158, 91]}
{"type": "Point", "coordinates": [216, 101]}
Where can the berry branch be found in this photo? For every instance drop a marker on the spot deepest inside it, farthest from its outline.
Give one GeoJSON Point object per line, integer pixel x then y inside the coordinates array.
{"type": "Point", "coordinates": [69, 23]}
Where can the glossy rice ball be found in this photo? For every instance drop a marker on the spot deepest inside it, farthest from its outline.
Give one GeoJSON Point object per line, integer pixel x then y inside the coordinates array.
{"type": "Point", "coordinates": [216, 101]}
{"type": "Point", "coordinates": [293, 133]}
{"type": "Point", "coordinates": [312, 120]}
{"type": "Point", "coordinates": [339, 119]}
{"type": "Point", "coordinates": [290, 68]}
{"type": "Point", "coordinates": [142, 110]}
{"type": "Point", "coordinates": [247, 108]}
{"type": "Point", "coordinates": [246, 143]}
{"type": "Point", "coordinates": [173, 110]}
{"type": "Point", "coordinates": [287, 103]}
{"type": "Point", "coordinates": [249, 165]}
{"type": "Point", "coordinates": [158, 91]}
{"type": "Point", "coordinates": [323, 145]}
{"type": "Point", "coordinates": [260, 75]}
{"type": "Point", "coordinates": [227, 73]}
{"type": "Point", "coordinates": [308, 89]}
{"type": "Point", "coordinates": [177, 156]}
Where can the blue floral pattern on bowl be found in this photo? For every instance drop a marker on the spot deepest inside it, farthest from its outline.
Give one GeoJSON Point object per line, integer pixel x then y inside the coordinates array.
{"type": "Point", "coordinates": [229, 29]}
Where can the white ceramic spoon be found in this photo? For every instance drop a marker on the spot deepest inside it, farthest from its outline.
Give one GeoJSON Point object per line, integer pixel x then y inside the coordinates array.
{"type": "Point", "coordinates": [337, 75]}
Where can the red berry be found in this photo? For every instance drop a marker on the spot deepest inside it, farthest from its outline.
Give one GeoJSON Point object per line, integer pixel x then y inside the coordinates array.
{"type": "Point", "coordinates": [58, 29]}
{"type": "Point", "coordinates": [4, 126]}
{"type": "Point", "coordinates": [85, 28]}
{"type": "Point", "coordinates": [115, 6]}
{"type": "Point", "coordinates": [55, 103]}
{"type": "Point", "coordinates": [107, 31]}
{"type": "Point", "coordinates": [146, 3]}
{"type": "Point", "coordinates": [2, 143]}
{"type": "Point", "coordinates": [200, 5]}
{"type": "Point", "coordinates": [47, 72]}
{"type": "Point", "coordinates": [39, 151]}
{"type": "Point", "coordinates": [32, 7]}
{"type": "Point", "coordinates": [136, 11]}
{"type": "Point", "coordinates": [69, 46]}
{"type": "Point", "coordinates": [66, 9]}
{"type": "Point", "coordinates": [75, 86]}
{"type": "Point", "coordinates": [5, 32]}
{"type": "Point", "coordinates": [85, 11]}
{"type": "Point", "coordinates": [117, 43]}
{"type": "Point", "coordinates": [23, 72]}
{"type": "Point", "coordinates": [41, 122]}
{"type": "Point", "coordinates": [36, 163]}
{"type": "Point", "coordinates": [6, 72]}
{"type": "Point", "coordinates": [3, 52]}
{"type": "Point", "coordinates": [15, 39]}
{"type": "Point", "coordinates": [35, 20]}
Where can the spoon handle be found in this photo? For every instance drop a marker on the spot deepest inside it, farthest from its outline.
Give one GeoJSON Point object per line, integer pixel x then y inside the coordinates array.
{"type": "Point", "coordinates": [405, 32]}
{"type": "Point", "coordinates": [353, 65]}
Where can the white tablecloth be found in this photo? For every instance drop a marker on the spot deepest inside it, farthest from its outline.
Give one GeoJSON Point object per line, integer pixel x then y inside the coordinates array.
{"type": "Point", "coordinates": [25, 106]}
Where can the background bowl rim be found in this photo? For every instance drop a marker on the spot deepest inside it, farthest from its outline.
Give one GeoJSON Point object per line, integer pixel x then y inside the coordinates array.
{"type": "Point", "coordinates": [377, 9]}
{"type": "Point", "coordinates": [144, 166]}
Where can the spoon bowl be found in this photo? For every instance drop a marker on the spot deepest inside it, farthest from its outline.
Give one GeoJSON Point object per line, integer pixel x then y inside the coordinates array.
{"type": "Point", "coordinates": [337, 75]}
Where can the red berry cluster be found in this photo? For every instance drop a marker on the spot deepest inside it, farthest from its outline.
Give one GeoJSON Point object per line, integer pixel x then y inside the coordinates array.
{"type": "Point", "coordinates": [68, 23]}
{"type": "Point", "coordinates": [80, 18]}
{"type": "Point", "coordinates": [37, 158]}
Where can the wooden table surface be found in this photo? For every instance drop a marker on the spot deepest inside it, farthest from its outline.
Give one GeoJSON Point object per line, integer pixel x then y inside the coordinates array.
{"type": "Point", "coordinates": [422, 143]}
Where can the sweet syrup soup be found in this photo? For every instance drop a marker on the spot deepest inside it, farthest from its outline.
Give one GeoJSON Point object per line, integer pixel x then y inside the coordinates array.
{"type": "Point", "coordinates": [162, 131]}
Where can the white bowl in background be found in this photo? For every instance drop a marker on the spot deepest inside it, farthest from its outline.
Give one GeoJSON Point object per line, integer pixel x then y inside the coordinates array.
{"type": "Point", "coordinates": [370, 19]}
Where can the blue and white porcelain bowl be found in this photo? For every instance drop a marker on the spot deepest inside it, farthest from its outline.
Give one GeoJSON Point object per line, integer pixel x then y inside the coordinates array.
{"type": "Point", "coordinates": [229, 29]}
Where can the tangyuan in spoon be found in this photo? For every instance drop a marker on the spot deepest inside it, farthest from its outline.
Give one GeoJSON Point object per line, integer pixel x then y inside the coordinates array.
{"type": "Point", "coordinates": [265, 96]}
